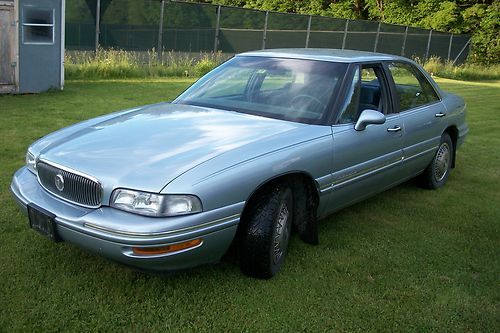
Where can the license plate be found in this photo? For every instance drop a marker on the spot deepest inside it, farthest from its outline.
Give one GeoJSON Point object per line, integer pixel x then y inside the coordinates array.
{"type": "Point", "coordinates": [43, 222]}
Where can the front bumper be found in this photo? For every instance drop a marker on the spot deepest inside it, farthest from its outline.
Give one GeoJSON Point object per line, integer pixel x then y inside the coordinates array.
{"type": "Point", "coordinates": [113, 233]}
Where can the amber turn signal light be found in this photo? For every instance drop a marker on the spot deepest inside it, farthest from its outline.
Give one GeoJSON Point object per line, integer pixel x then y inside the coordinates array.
{"type": "Point", "coordinates": [167, 248]}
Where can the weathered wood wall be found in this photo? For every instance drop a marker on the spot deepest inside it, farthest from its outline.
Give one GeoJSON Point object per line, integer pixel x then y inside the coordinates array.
{"type": "Point", "coordinates": [8, 46]}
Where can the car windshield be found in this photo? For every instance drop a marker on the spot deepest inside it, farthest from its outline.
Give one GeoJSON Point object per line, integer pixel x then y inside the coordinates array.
{"type": "Point", "coordinates": [290, 89]}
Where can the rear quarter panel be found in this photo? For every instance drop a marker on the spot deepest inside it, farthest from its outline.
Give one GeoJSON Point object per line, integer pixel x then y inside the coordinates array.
{"type": "Point", "coordinates": [456, 110]}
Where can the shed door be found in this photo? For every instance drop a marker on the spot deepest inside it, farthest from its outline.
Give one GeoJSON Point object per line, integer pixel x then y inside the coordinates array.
{"type": "Point", "coordinates": [40, 62]}
{"type": "Point", "coordinates": [7, 47]}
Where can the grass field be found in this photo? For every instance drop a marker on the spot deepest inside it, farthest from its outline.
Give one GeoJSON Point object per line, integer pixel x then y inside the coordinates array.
{"type": "Point", "coordinates": [408, 259]}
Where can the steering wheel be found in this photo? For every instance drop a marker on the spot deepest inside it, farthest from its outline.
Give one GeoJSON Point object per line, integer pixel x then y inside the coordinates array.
{"type": "Point", "coordinates": [308, 100]}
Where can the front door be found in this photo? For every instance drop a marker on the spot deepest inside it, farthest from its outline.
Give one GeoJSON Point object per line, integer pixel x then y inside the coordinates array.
{"type": "Point", "coordinates": [7, 47]}
{"type": "Point", "coordinates": [366, 161]}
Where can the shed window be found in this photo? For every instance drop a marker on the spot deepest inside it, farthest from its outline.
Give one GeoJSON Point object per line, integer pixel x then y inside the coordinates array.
{"type": "Point", "coordinates": [38, 25]}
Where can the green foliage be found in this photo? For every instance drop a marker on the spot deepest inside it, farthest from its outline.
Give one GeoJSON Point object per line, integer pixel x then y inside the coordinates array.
{"type": "Point", "coordinates": [467, 72]}
{"type": "Point", "coordinates": [442, 18]}
{"type": "Point", "coordinates": [341, 9]}
{"type": "Point", "coordinates": [102, 64]}
{"type": "Point", "coordinates": [486, 35]}
{"type": "Point", "coordinates": [118, 64]}
{"type": "Point", "coordinates": [205, 65]}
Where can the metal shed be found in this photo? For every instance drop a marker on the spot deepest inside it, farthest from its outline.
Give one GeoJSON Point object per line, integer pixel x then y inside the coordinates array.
{"type": "Point", "coordinates": [31, 45]}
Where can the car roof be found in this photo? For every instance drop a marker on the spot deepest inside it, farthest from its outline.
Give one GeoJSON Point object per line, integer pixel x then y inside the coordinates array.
{"type": "Point", "coordinates": [333, 55]}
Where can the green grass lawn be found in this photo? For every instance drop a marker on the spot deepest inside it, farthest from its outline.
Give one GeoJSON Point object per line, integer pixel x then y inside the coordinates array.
{"type": "Point", "coordinates": [408, 259]}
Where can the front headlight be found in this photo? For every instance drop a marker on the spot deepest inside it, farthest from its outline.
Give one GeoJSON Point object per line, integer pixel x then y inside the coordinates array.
{"type": "Point", "coordinates": [31, 162]}
{"type": "Point", "coordinates": [151, 204]}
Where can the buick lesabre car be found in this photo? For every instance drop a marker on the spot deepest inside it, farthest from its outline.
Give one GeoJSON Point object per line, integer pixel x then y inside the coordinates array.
{"type": "Point", "coordinates": [268, 142]}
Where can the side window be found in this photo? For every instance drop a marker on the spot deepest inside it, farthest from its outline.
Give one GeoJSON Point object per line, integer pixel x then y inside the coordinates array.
{"type": "Point", "coordinates": [412, 87]}
{"type": "Point", "coordinates": [234, 84]}
{"type": "Point", "coordinates": [366, 92]}
{"type": "Point", "coordinates": [348, 111]}
{"type": "Point", "coordinates": [275, 81]}
{"type": "Point", "coordinates": [370, 93]}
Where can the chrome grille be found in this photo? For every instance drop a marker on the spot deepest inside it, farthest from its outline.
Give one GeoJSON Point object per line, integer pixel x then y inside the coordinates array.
{"type": "Point", "coordinates": [77, 188]}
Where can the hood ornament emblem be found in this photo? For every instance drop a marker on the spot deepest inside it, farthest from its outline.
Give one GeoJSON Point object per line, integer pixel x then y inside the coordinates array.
{"type": "Point", "coordinates": [59, 182]}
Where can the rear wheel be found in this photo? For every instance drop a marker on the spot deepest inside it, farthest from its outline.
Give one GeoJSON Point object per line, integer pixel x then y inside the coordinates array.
{"type": "Point", "coordinates": [265, 233]}
{"type": "Point", "coordinates": [437, 172]}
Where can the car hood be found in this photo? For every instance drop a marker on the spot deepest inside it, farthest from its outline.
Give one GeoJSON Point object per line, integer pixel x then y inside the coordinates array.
{"type": "Point", "coordinates": [147, 148]}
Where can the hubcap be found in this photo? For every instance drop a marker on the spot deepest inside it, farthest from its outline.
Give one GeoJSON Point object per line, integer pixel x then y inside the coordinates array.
{"type": "Point", "coordinates": [442, 162]}
{"type": "Point", "coordinates": [281, 234]}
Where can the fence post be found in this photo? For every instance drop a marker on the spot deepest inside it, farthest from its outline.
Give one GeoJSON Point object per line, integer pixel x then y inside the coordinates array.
{"type": "Point", "coordinates": [376, 38]}
{"type": "Point", "coordinates": [217, 29]}
{"type": "Point", "coordinates": [97, 23]}
{"type": "Point", "coordinates": [345, 33]}
{"type": "Point", "coordinates": [160, 33]}
{"type": "Point", "coordinates": [264, 34]}
{"type": "Point", "coordinates": [404, 42]}
{"type": "Point", "coordinates": [449, 47]}
{"type": "Point", "coordinates": [461, 51]}
{"type": "Point", "coordinates": [428, 45]}
{"type": "Point", "coordinates": [308, 31]}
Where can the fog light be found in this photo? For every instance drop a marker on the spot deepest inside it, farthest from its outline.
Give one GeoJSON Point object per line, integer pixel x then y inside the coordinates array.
{"type": "Point", "coordinates": [167, 248]}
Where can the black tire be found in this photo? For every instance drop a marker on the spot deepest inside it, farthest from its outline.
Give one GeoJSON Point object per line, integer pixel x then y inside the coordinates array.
{"type": "Point", "coordinates": [265, 232]}
{"type": "Point", "coordinates": [437, 172]}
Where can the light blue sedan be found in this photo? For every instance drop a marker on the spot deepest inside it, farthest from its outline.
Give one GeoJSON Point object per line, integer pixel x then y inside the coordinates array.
{"type": "Point", "coordinates": [268, 141]}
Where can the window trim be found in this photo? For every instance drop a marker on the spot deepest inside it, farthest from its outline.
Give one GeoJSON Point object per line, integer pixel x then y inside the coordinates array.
{"type": "Point", "coordinates": [389, 104]}
{"type": "Point", "coordinates": [388, 108]}
{"type": "Point", "coordinates": [25, 24]}
{"type": "Point", "coordinates": [336, 103]}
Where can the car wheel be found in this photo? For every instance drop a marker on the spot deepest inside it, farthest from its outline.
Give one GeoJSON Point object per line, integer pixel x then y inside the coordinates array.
{"type": "Point", "coordinates": [437, 172]}
{"type": "Point", "coordinates": [266, 232]}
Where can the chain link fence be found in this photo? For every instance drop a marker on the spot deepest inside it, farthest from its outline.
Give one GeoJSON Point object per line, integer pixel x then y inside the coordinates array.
{"type": "Point", "coordinates": [141, 25]}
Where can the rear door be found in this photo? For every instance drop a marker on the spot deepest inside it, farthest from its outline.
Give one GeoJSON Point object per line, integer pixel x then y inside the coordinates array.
{"type": "Point", "coordinates": [367, 161]}
{"type": "Point", "coordinates": [421, 112]}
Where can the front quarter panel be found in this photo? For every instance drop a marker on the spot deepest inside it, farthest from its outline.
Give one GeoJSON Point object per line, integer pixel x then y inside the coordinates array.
{"type": "Point", "coordinates": [232, 177]}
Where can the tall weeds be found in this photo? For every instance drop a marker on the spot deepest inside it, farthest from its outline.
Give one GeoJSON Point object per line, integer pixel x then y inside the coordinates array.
{"type": "Point", "coordinates": [118, 64]}
{"type": "Point", "coordinates": [467, 72]}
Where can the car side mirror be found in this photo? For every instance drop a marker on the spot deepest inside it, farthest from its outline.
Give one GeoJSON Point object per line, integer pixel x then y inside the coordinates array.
{"type": "Point", "coordinates": [368, 117]}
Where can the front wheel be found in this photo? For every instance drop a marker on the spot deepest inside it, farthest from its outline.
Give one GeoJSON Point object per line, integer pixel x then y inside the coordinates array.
{"type": "Point", "coordinates": [437, 172]}
{"type": "Point", "coordinates": [266, 231]}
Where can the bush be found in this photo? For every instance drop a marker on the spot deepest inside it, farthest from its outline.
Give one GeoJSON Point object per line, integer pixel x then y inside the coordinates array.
{"type": "Point", "coordinates": [204, 65]}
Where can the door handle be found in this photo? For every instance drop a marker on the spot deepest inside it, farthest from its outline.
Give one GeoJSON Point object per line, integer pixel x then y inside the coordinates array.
{"type": "Point", "coordinates": [440, 114]}
{"type": "Point", "coordinates": [394, 129]}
